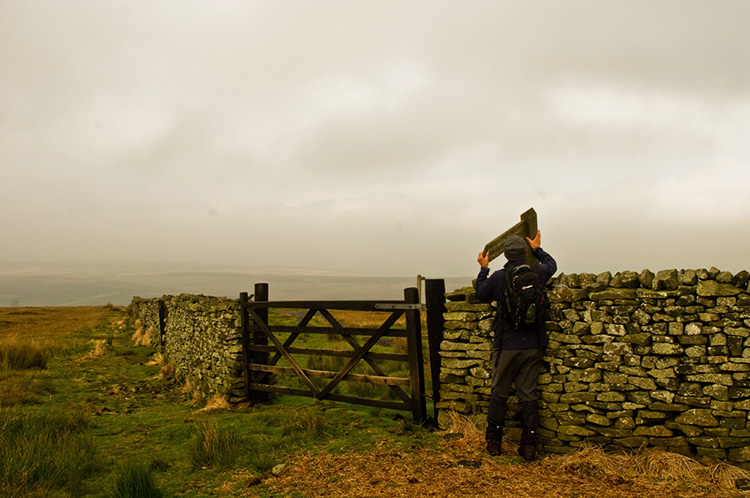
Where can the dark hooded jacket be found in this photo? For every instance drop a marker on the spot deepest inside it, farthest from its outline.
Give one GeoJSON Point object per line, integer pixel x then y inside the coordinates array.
{"type": "Point", "coordinates": [491, 288]}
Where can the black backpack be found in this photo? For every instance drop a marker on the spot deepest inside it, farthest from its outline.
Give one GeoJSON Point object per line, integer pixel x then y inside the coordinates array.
{"type": "Point", "coordinates": [525, 299]}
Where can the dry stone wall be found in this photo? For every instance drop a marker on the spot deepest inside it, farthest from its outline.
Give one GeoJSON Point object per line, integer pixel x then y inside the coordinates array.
{"type": "Point", "coordinates": [201, 339]}
{"type": "Point", "coordinates": [635, 359]}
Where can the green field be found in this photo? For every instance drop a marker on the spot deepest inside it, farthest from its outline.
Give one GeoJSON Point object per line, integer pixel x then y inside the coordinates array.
{"type": "Point", "coordinates": [96, 416]}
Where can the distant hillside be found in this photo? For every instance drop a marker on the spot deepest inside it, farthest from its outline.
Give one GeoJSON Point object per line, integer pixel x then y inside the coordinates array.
{"type": "Point", "coordinates": [81, 285]}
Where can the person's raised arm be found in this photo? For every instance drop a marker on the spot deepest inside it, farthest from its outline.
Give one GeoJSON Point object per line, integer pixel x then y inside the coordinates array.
{"type": "Point", "coordinates": [546, 262]}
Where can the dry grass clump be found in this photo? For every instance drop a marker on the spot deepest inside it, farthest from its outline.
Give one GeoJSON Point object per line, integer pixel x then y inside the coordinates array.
{"type": "Point", "coordinates": [471, 438]}
{"type": "Point", "coordinates": [192, 391]}
{"type": "Point", "coordinates": [148, 337]}
{"type": "Point", "coordinates": [470, 435]}
{"type": "Point", "coordinates": [137, 333]}
{"type": "Point", "coordinates": [142, 337]}
{"type": "Point", "coordinates": [156, 359]}
{"type": "Point", "coordinates": [724, 476]}
{"type": "Point", "coordinates": [217, 402]}
{"type": "Point", "coordinates": [100, 348]}
{"type": "Point", "coordinates": [167, 371]}
{"type": "Point", "coordinates": [664, 465]}
{"type": "Point", "coordinates": [654, 467]}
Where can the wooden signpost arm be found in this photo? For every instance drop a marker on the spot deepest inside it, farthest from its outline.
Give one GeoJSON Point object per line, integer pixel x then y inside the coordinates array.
{"type": "Point", "coordinates": [527, 227]}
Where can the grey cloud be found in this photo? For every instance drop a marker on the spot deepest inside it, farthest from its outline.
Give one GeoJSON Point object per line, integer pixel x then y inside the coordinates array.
{"type": "Point", "coordinates": [356, 133]}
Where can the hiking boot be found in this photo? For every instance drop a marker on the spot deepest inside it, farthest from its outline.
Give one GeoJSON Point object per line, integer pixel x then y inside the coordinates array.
{"type": "Point", "coordinates": [527, 452]}
{"type": "Point", "coordinates": [494, 447]}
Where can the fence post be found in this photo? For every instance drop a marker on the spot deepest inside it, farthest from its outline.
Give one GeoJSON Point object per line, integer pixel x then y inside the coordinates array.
{"type": "Point", "coordinates": [245, 326]}
{"type": "Point", "coordinates": [162, 324]}
{"type": "Point", "coordinates": [259, 338]}
{"type": "Point", "coordinates": [435, 301]}
{"type": "Point", "coordinates": [416, 364]}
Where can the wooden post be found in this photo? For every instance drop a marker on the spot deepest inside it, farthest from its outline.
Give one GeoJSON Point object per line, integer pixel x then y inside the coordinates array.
{"type": "Point", "coordinates": [245, 326]}
{"type": "Point", "coordinates": [435, 301]}
{"type": "Point", "coordinates": [162, 323]}
{"type": "Point", "coordinates": [259, 338]}
{"type": "Point", "coordinates": [416, 364]}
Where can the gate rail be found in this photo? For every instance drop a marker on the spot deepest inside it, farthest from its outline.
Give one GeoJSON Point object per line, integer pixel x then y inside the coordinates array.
{"type": "Point", "coordinates": [260, 341]}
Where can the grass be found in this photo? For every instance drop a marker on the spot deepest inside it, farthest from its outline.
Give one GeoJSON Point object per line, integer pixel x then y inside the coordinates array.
{"type": "Point", "coordinates": [16, 354]}
{"type": "Point", "coordinates": [306, 422]}
{"type": "Point", "coordinates": [103, 410]}
{"type": "Point", "coordinates": [105, 419]}
{"type": "Point", "coordinates": [213, 446]}
{"type": "Point", "coordinates": [45, 450]}
{"type": "Point", "coordinates": [135, 480]}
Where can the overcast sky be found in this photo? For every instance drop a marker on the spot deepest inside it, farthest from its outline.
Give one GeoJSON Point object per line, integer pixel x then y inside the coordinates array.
{"type": "Point", "coordinates": [378, 137]}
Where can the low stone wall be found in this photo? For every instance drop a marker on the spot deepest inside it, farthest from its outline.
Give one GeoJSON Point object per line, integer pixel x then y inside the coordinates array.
{"type": "Point", "coordinates": [201, 339]}
{"type": "Point", "coordinates": [635, 359]}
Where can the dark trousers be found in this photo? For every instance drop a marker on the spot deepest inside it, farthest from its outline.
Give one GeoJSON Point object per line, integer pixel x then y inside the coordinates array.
{"type": "Point", "coordinates": [520, 367]}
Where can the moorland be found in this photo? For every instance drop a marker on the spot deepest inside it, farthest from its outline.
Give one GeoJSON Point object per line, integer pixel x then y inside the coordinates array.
{"type": "Point", "coordinates": [87, 411]}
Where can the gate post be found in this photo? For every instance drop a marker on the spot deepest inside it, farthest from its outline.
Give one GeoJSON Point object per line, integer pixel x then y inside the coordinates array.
{"type": "Point", "coordinates": [245, 327]}
{"type": "Point", "coordinates": [259, 338]}
{"type": "Point", "coordinates": [435, 301]}
{"type": "Point", "coordinates": [162, 324]}
{"type": "Point", "coordinates": [416, 364]}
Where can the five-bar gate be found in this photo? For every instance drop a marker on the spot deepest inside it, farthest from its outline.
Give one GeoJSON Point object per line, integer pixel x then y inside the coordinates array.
{"type": "Point", "coordinates": [265, 345]}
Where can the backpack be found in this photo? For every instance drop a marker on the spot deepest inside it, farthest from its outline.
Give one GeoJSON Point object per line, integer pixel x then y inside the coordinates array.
{"type": "Point", "coordinates": [525, 299]}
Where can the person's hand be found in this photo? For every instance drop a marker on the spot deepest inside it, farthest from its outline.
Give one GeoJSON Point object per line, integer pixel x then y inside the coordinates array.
{"type": "Point", "coordinates": [484, 259]}
{"type": "Point", "coordinates": [537, 241]}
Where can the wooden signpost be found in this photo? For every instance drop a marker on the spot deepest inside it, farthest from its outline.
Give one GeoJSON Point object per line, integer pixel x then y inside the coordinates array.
{"type": "Point", "coordinates": [527, 227]}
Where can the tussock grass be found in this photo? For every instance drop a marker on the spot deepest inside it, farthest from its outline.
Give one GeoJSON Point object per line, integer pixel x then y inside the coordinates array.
{"type": "Point", "coordinates": [307, 421]}
{"type": "Point", "coordinates": [44, 450]}
{"type": "Point", "coordinates": [18, 354]}
{"type": "Point", "coordinates": [213, 446]}
{"type": "Point", "coordinates": [135, 480]}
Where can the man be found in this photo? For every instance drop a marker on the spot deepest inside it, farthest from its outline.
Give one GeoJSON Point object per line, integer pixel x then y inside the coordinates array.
{"type": "Point", "coordinates": [517, 352]}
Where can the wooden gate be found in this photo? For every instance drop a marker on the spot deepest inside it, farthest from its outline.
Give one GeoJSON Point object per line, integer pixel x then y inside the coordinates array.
{"type": "Point", "coordinates": [266, 345]}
